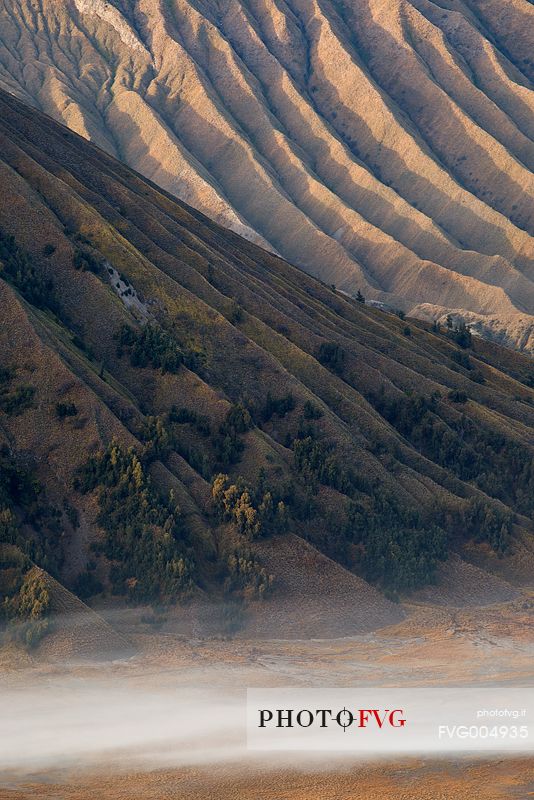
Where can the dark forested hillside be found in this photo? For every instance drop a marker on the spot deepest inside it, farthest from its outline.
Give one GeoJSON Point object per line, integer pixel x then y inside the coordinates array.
{"type": "Point", "coordinates": [171, 395]}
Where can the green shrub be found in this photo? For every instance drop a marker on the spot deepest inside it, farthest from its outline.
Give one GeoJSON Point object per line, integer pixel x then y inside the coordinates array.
{"type": "Point", "coordinates": [16, 401]}
{"type": "Point", "coordinates": [85, 260]}
{"type": "Point", "coordinates": [228, 444]}
{"type": "Point", "coordinates": [27, 520]}
{"type": "Point", "coordinates": [457, 396]}
{"type": "Point", "coordinates": [236, 313]}
{"type": "Point", "coordinates": [500, 466]}
{"type": "Point", "coordinates": [462, 359]}
{"type": "Point", "coordinates": [311, 411]}
{"type": "Point", "coordinates": [332, 356]}
{"type": "Point", "coordinates": [65, 410]}
{"type": "Point", "coordinates": [488, 523]}
{"type": "Point", "coordinates": [184, 416]}
{"type": "Point", "coordinates": [27, 610]}
{"type": "Point", "coordinates": [461, 335]}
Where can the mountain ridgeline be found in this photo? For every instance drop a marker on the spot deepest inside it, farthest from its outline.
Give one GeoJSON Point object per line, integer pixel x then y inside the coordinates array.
{"type": "Point", "coordinates": [381, 145]}
{"type": "Point", "coordinates": [172, 396]}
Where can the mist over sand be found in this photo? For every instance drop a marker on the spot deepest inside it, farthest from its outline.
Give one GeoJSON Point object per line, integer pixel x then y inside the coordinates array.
{"type": "Point", "coordinates": [56, 722]}
{"type": "Point", "coordinates": [180, 701]}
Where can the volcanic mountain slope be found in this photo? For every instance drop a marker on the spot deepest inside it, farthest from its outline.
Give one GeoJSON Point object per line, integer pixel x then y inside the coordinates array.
{"type": "Point", "coordinates": [385, 146]}
{"type": "Point", "coordinates": [173, 396]}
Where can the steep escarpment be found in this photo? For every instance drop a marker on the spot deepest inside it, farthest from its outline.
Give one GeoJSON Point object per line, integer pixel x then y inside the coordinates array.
{"type": "Point", "coordinates": [383, 147]}
{"type": "Point", "coordinates": [180, 409]}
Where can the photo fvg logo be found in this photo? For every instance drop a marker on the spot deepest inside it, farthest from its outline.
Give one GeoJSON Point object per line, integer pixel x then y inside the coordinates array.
{"type": "Point", "coordinates": [395, 720]}
{"type": "Point", "coordinates": [324, 717]}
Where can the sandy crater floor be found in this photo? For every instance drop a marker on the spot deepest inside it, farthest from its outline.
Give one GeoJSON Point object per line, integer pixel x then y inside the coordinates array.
{"type": "Point", "coordinates": [432, 647]}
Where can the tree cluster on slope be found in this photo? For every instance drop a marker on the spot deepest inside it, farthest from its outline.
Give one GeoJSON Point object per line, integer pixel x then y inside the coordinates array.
{"type": "Point", "coordinates": [14, 400]}
{"type": "Point", "coordinates": [229, 444]}
{"type": "Point", "coordinates": [19, 269]}
{"type": "Point", "coordinates": [23, 504]}
{"type": "Point", "coordinates": [30, 532]}
{"type": "Point", "coordinates": [399, 549]}
{"type": "Point", "coordinates": [279, 406]}
{"type": "Point", "coordinates": [459, 333]}
{"type": "Point", "coordinates": [498, 465]}
{"type": "Point", "coordinates": [253, 513]}
{"type": "Point", "coordinates": [245, 576]}
{"type": "Point", "coordinates": [394, 544]}
{"type": "Point", "coordinates": [152, 346]}
{"type": "Point", "coordinates": [332, 356]}
{"type": "Point", "coordinates": [216, 450]}
{"type": "Point", "coordinates": [144, 535]}
{"type": "Point", "coordinates": [26, 607]}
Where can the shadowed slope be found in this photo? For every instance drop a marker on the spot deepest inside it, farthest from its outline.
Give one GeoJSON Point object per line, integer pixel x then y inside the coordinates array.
{"type": "Point", "coordinates": [386, 147]}
{"type": "Point", "coordinates": [257, 400]}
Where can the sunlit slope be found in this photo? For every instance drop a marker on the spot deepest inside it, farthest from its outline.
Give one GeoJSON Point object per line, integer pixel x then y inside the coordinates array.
{"type": "Point", "coordinates": [381, 146]}
{"type": "Point", "coordinates": [384, 443]}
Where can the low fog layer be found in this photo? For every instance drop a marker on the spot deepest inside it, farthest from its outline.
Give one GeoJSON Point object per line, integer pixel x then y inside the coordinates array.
{"type": "Point", "coordinates": [66, 722]}
{"type": "Point", "coordinates": [192, 716]}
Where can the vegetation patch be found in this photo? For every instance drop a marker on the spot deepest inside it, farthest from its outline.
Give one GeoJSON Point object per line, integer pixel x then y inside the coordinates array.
{"type": "Point", "coordinates": [276, 406]}
{"type": "Point", "coordinates": [398, 548]}
{"type": "Point", "coordinates": [26, 603]}
{"type": "Point", "coordinates": [246, 577]}
{"type": "Point", "coordinates": [19, 269]}
{"type": "Point", "coordinates": [498, 465]}
{"type": "Point", "coordinates": [331, 356]}
{"type": "Point", "coordinates": [14, 400]}
{"type": "Point", "coordinates": [66, 410]}
{"type": "Point", "coordinates": [144, 532]}
{"type": "Point", "coordinates": [27, 519]}
{"type": "Point", "coordinates": [155, 347]}
{"type": "Point", "coordinates": [185, 416]}
{"type": "Point", "coordinates": [152, 346]}
{"type": "Point", "coordinates": [30, 532]}
{"type": "Point", "coordinates": [254, 513]}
